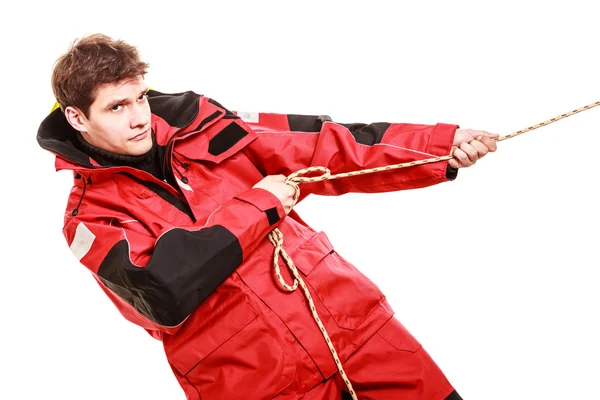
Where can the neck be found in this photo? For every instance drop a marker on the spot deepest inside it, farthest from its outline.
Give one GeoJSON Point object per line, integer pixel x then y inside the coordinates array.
{"type": "Point", "coordinates": [109, 159]}
{"type": "Point", "coordinates": [151, 161]}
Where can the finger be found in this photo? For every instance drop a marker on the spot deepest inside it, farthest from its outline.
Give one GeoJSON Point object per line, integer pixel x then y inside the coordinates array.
{"type": "Point", "coordinates": [470, 151]}
{"type": "Point", "coordinates": [287, 205]}
{"type": "Point", "coordinates": [488, 134]}
{"type": "Point", "coordinates": [490, 143]}
{"type": "Point", "coordinates": [291, 190]}
{"type": "Point", "coordinates": [278, 178]}
{"type": "Point", "coordinates": [481, 148]}
{"type": "Point", "coordinates": [453, 163]}
{"type": "Point", "coordinates": [462, 158]}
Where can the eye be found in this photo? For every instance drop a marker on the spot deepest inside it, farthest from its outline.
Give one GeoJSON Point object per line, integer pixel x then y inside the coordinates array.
{"type": "Point", "coordinates": [116, 107]}
{"type": "Point", "coordinates": [143, 96]}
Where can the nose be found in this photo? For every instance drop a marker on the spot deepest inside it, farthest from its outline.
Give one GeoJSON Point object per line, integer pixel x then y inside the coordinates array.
{"type": "Point", "coordinates": [140, 116]}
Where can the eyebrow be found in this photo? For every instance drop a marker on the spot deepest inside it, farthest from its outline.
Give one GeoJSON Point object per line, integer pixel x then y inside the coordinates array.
{"type": "Point", "coordinates": [119, 101]}
{"type": "Point", "coordinates": [115, 102]}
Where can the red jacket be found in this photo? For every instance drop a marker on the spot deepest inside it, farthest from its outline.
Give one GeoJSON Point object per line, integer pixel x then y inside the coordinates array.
{"type": "Point", "coordinates": [190, 262]}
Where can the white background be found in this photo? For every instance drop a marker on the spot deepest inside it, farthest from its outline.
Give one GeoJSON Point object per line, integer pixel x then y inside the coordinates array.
{"type": "Point", "coordinates": [495, 273]}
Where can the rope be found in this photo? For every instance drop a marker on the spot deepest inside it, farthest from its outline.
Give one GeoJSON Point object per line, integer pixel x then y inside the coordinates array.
{"type": "Point", "coordinates": [296, 178]}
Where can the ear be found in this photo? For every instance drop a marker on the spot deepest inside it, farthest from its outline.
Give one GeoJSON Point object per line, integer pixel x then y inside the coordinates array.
{"type": "Point", "coordinates": [76, 118]}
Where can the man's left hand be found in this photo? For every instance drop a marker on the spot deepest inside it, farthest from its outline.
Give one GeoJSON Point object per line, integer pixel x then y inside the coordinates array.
{"type": "Point", "coordinates": [470, 145]}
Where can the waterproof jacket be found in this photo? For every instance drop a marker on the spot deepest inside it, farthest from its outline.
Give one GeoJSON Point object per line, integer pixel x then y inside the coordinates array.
{"type": "Point", "coordinates": [191, 264]}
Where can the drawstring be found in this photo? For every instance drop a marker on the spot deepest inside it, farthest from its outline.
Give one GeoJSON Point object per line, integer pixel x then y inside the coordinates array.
{"type": "Point", "coordinates": [89, 180]}
{"type": "Point", "coordinates": [185, 166]}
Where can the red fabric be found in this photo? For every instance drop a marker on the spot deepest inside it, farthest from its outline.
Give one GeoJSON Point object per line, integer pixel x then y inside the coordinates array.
{"type": "Point", "coordinates": [250, 339]}
{"type": "Point", "coordinates": [391, 365]}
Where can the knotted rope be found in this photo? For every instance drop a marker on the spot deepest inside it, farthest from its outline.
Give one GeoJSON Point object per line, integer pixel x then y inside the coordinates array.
{"type": "Point", "coordinates": [296, 178]}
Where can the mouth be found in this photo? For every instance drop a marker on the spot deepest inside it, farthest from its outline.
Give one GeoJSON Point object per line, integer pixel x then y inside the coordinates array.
{"type": "Point", "coordinates": [141, 136]}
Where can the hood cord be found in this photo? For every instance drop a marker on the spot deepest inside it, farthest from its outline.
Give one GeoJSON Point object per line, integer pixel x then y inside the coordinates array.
{"type": "Point", "coordinates": [89, 180]}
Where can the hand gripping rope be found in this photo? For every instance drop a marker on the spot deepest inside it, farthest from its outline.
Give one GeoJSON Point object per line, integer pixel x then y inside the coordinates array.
{"type": "Point", "coordinates": [296, 178]}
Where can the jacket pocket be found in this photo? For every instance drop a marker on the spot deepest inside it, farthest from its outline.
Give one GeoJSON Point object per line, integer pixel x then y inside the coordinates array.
{"type": "Point", "coordinates": [234, 355]}
{"type": "Point", "coordinates": [218, 142]}
{"type": "Point", "coordinates": [398, 336]}
{"type": "Point", "coordinates": [347, 294]}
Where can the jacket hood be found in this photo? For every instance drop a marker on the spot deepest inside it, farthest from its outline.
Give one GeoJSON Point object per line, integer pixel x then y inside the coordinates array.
{"type": "Point", "coordinates": [56, 135]}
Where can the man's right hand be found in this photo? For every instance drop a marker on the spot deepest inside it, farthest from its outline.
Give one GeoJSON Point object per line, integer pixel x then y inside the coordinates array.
{"type": "Point", "coordinates": [276, 185]}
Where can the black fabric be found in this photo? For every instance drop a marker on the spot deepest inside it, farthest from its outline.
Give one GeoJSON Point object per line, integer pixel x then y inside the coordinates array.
{"type": "Point", "coordinates": [225, 139]}
{"type": "Point", "coordinates": [168, 149]}
{"type": "Point", "coordinates": [368, 134]}
{"type": "Point", "coordinates": [306, 123]}
{"type": "Point", "coordinates": [454, 396]}
{"type": "Point", "coordinates": [185, 268]}
{"type": "Point", "coordinates": [205, 121]}
{"type": "Point", "coordinates": [346, 396]}
{"type": "Point", "coordinates": [161, 154]}
{"type": "Point", "coordinates": [272, 215]}
{"type": "Point", "coordinates": [451, 173]}
{"type": "Point", "coordinates": [150, 162]}
{"type": "Point", "coordinates": [177, 109]}
{"type": "Point", "coordinates": [58, 136]}
{"type": "Point", "coordinates": [228, 114]}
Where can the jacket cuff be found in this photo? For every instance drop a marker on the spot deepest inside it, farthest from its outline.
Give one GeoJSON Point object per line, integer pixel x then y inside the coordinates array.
{"type": "Point", "coordinates": [451, 173]}
{"type": "Point", "coordinates": [440, 141]}
{"type": "Point", "coordinates": [440, 144]}
{"type": "Point", "coordinates": [264, 201]}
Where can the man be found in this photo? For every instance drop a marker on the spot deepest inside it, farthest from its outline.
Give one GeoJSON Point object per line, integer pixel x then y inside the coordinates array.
{"type": "Point", "coordinates": [173, 198]}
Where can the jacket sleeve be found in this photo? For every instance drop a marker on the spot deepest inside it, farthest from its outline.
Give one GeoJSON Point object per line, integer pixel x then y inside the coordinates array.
{"type": "Point", "coordinates": [165, 279]}
{"type": "Point", "coordinates": [289, 142]}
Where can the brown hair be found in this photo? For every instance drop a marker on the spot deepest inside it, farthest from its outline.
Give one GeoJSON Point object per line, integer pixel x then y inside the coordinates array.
{"type": "Point", "coordinates": [90, 62]}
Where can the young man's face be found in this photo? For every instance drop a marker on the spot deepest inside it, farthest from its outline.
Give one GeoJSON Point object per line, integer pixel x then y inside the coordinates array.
{"type": "Point", "coordinates": [119, 118]}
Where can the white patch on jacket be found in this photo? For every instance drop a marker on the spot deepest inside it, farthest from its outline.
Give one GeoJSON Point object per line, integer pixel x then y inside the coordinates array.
{"type": "Point", "coordinates": [82, 242]}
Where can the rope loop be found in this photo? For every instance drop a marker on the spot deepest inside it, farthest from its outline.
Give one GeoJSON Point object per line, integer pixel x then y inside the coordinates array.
{"type": "Point", "coordinates": [297, 178]}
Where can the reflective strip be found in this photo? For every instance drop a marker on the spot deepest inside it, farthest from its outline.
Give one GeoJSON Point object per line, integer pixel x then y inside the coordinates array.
{"type": "Point", "coordinates": [184, 186]}
{"type": "Point", "coordinates": [82, 242]}
{"type": "Point", "coordinates": [251, 117]}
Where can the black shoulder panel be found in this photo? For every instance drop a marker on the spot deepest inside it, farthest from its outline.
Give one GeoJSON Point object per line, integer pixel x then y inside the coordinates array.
{"type": "Point", "coordinates": [228, 114]}
{"type": "Point", "coordinates": [178, 109]}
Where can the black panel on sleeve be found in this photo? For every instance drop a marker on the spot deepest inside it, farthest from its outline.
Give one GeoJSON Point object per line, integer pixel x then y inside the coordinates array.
{"type": "Point", "coordinates": [272, 215]}
{"type": "Point", "coordinates": [185, 268]}
{"type": "Point", "coordinates": [306, 123]}
{"type": "Point", "coordinates": [368, 134]}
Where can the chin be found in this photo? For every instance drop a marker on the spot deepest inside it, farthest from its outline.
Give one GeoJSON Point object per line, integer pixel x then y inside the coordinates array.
{"type": "Point", "coordinates": [142, 147]}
